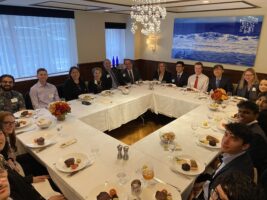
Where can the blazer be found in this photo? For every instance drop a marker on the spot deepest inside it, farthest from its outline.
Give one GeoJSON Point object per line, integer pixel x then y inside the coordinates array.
{"type": "Point", "coordinates": [250, 95]}
{"type": "Point", "coordinates": [262, 120]}
{"type": "Point", "coordinates": [72, 90]}
{"type": "Point", "coordinates": [258, 147]}
{"type": "Point", "coordinates": [96, 88]}
{"type": "Point", "coordinates": [242, 163]}
{"type": "Point", "coordinates": [107, 80]}
{"type": "Point", "coordinates": [126, 78]}
{"type": "Point", "coordinates": [182, 81]}
{"type": "Point", "coordinates": [225, 83]}
{"type": "Point", "coordinates": [167, 77]}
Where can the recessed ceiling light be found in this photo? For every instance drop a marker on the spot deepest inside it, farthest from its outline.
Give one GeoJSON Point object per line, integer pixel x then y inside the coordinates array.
{"type": "Point", "coordinates": [205, 1]}
{"type": "Point", "coordinates": [107, 10]}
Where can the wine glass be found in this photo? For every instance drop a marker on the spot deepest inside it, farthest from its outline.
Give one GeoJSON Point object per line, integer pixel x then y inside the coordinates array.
{"type": "Point", "coordinates": [121, 175]}
{"type": "Point", "coordinates": [171, 148]}
{"type": "Point", "coordinates": [136, 189]}
{"type": "Point", "coordinates": [194, 126]}
{"type": "Point", "coordinates": [148, 173]}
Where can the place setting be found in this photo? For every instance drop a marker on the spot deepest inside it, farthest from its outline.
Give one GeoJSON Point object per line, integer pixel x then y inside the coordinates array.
{"type": "Point", "coordinates": [73, 163]}
{"type": "Point", "coordinates": [209, 140]}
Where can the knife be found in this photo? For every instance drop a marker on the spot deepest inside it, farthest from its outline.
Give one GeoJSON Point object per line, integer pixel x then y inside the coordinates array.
{"type": "Point", "coordinates": [65, 144]}
{"type": "Point", "coordinates": [163, 182]}
{"type": "Point", "coordinates": [75, 172]}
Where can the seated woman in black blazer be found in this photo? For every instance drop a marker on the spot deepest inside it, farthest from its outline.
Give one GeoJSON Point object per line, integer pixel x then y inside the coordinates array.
{"type": "Point", "coordinates": [97, 85]}
{"type": "Point", "coordinates": [74, 86]}
{"type": "Point", "coordinates": [162, 74]}
{"type": "Point", "coordinates": [248, 86]}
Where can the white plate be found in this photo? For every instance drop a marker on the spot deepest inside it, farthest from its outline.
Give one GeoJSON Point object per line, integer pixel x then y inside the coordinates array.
{"type": "Point", "coordinates": [178, 167]}
{"type": "Point", "coordinates": [204, 125]}
{"type": "Point", "coordinates": [86, 97]}
{"type": "Point", "coordinates": [239, 98]}
{"type": "Point", "coordinates": [203, 137]}
{"type": "Point", "coordinates": [61, 166]}
{"type": "Point", "coordinates": [231, 118]}
{"type": "Point", "coordinates": [169, 85]}
{"type": "Point", "coordinates": [35, 145]}
{"type": "Point", "coordinates": [26, 121]}
{"type": "Point", "coordinates": [18, 114]}
{"type": "Point", "coordinates": [150, 192]}
{"type": "Point", "coordinates": [106, 92]}
{"type": "Point", "coordinates": [220, 125]}
{"type": "Point", "coordinates": [105, 188]}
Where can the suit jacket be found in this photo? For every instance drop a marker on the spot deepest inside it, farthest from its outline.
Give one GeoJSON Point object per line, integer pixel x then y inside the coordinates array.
{"type": "Point", "coordinates": [107, 80]}
{"type": "Point", "coordinates": [182, 81]}
{"type": "Point", "coordinates": [126, 78]}
{"type": "Point", "coordinates": [96, 88]}
{"type": "Point", "coordinates": [258, 147]}
{"type": "Point", "coordinates": [262, 120]}
{"type": "Point", "coordinates": [167, 76]}
{"type": "Point", "coordinates": [225, 83]}
{"type": "Point", "coordinates": [72, 90]}
{"type": "Point", "coordinates": [250, 95]}
{"type": "Point", "coordinates": [242, 163]}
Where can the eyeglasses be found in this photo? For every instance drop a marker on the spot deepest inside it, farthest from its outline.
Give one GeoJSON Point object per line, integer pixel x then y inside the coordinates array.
{"type": "Point", "coordinates": [215, 195]}
{"type": "Point", "coordinates": [9, 123]}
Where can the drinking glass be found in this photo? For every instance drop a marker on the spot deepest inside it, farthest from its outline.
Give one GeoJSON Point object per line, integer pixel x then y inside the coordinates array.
{"type": "Point", "coordinates": [171, 148]}
{"type": "Point", "coordinates": [194, 126]}
{"type": "Point", "coordinates": [121, 175]}
{"type": "Point", "coordinates": [136, 189]}
{"type": "Point", "coordinates": [148, 173]}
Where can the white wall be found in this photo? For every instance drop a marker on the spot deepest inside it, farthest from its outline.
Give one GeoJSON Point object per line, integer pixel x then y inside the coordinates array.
{"type": "Point", "coordinates": [163, 51]}
{"type": "Point", "coordinates": [90, 30]}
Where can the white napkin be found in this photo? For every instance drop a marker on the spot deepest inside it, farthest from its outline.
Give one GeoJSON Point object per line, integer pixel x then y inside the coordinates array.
{"type": "Point", "coordinates": [45, 189]}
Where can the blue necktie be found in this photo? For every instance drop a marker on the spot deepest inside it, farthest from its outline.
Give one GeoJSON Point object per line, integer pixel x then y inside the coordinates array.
{"type": "Point", "coordinates": [217, 83]}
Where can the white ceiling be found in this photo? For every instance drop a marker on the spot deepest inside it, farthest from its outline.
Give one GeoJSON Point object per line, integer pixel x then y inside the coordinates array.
{"type": "Point", "coordinates": [123, 6]}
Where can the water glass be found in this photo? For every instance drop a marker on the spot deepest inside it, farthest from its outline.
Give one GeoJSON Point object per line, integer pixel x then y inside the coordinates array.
{"type": "Point", "coordinates": [194, 126]}
{"type": "Point", "coordinates": [121, 175]}
{"type": "Point", "coordinates": [171, 148]}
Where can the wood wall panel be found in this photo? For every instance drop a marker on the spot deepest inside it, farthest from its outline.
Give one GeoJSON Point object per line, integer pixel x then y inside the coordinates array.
{"type": "Point", "coordinates": [146, 68]}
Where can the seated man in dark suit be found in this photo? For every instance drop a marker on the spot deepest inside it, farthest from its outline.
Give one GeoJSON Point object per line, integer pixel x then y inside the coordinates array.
{"type": "Point", "coordinates": [130, 74]}
{"type": "Point", "coordinates": [234, 146]}
{"type": "Point", "coordinates": [180, 77]}
{"type": "Point", "coordinates": [220, 81]}
{"type": "Point", "coordinates": [235, 186]}
{"type": "Point", "coordinates": [110, 75]}
{"type": "Point", "coordinates": [262, 118]}
{"type": "Point", "coordinates": [248, 112]}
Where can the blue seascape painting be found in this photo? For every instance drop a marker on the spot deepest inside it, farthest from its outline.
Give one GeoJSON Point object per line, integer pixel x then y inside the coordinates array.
{"type": "Point", "coordinates": [229, 40]}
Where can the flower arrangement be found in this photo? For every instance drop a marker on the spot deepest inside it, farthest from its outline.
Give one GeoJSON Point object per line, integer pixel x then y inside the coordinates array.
{"type": "Point", "coordinates": [59, 109]}
{"type": "Point", "coordinates": [219, 95]}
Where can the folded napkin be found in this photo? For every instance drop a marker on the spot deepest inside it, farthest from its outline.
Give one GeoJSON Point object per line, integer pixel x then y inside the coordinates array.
{"type": "Point", "coordinates": [69, 142]}
{"type": "Point", "coordinates": [45, 189]}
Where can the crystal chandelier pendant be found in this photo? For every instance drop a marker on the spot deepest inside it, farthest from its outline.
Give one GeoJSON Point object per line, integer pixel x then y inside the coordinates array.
{"type": "Point", "coordinates": [147, 13]}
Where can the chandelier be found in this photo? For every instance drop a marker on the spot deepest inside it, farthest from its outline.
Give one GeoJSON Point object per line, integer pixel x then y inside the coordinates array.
{"type": "Point", "coordinates": [149, 14]}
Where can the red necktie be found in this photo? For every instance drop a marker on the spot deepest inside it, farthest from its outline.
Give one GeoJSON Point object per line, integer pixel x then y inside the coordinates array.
{"type": "Point", "coordinates": [196, 82]}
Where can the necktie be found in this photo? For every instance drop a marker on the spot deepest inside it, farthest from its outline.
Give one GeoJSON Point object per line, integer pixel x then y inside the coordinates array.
{"type": "Point", "coordinates": [114, 80]}
{"type": "Point", "coordinates": [178, 77]}
{"type": "Point", "coordinates": [196, 82]}
{"type": "Point", "coordinates": [217, 83]}
{"type": "Point", "coordinates": [131, 76]}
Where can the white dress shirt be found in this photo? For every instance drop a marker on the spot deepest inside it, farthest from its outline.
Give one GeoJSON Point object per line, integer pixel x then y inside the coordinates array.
{"type": "Point", "coordinates": [203, 82]}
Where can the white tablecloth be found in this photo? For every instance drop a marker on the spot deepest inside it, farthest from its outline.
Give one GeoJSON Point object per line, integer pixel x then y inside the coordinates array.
{"type": "Point", "coordinates": [85, 123]}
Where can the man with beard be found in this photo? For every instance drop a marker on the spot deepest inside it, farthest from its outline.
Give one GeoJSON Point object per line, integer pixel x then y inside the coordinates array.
{"type": "Point", "coordinates": [10, 100]}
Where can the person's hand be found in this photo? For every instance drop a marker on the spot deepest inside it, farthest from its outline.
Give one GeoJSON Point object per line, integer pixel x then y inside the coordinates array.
{"type": "Point", "coordinates": [57, 197]}
{"type": "Point", "coordinates": [13, 166]}
{"type": "Point", "coordinates": [38, 179]}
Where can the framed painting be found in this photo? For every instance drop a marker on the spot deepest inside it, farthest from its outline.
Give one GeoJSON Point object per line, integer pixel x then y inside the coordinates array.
{"type": "Point", "coordinates": [229, 40]}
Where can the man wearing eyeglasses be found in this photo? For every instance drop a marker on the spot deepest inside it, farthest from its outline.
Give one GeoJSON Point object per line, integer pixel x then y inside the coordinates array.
{"type": "Point", "coordinates": [10, 100]}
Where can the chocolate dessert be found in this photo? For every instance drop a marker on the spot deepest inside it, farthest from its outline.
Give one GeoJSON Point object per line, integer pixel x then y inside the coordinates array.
{"type": "Point", "coordinates": [40, 141]}
{"type": "Point", "coordinates": [212, 143]}
{"type": "Point", "coordinates": [103, 196]}
{"type": "Point", "coordinates": [161, 195]}
{"type": "Point", "coordinates": [193, 164]}
{"type": "Point", "coordinates": [24, 113]}
{"type": "Point", "coordinates": [186, 167]}
{"type": "Point", "coordinates": [69, 162]}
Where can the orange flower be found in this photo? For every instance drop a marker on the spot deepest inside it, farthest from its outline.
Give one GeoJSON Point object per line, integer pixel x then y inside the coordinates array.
{"type": "Point", "coordinates": [219, 94]}
{"type": "Point", "coordinates": [58, 108]}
